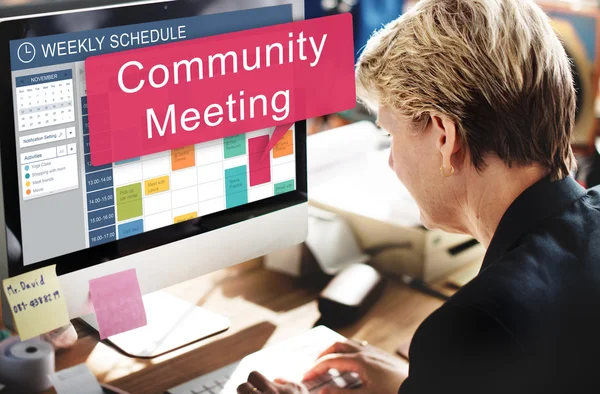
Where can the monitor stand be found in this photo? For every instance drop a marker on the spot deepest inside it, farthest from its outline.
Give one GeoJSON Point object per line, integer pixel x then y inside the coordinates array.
{"type": "Point", "coordinates": [172, 324]}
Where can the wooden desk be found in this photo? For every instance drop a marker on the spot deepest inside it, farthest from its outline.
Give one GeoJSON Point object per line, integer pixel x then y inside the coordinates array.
{"type": "Point", "coordinates": [264, 308]}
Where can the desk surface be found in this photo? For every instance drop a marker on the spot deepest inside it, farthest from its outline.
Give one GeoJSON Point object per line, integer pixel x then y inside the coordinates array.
{"type": "Point", "coordinates": [264, 308]}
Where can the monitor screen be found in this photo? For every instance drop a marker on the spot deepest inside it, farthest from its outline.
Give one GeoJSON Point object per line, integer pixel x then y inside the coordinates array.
{"type": "Point", "coordinates": [63, 210]}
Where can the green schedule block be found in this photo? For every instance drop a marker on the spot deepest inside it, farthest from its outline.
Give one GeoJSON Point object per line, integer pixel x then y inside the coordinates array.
{"type": "Point", "coordinates": [234, 146]}
{"type": "Point", "coordinates": [236, 186]}
{"type": "Point", "coordinates": [129, 201]}
{"type": "Point", "coordinates": [284, 187]}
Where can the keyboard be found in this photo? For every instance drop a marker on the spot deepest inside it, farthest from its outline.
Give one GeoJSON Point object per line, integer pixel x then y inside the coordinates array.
{"type": "Point", "coordinates": [288, 360]}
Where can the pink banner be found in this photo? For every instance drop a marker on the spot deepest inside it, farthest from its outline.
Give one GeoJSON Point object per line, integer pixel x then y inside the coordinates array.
{"type": "Point", "coordinates": [165, 97]}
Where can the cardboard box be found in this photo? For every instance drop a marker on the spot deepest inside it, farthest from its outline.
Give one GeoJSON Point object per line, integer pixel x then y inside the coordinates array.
{"type": "Point", "coordinates": [421, 254]}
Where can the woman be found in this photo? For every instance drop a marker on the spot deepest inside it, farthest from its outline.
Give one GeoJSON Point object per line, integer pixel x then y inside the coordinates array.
{"type": "Point", "coordinates": [478, 98]}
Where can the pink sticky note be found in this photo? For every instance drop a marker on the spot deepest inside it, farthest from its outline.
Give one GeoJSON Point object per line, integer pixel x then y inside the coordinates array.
{"type": "Point", "coordinates": [118, 303]}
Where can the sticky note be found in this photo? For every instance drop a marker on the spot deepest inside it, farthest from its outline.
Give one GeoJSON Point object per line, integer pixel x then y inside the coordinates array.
{"type": "Point", "coordinates": [183, 218]}
{"type": "Point", "coordinates": [234, 146]}
{"type": "Point", "coordinates": [284, 187]}
{"type": "Point", "coordinates": [130, 229]}
{"type": "Point", "coordinates": [236, 186]}
{"type": "Point", "coordinates": [157, 185]}
{"type": "Point", "coordinates": [129, 201]}
{"type": "Point", "coordinates": [183, 158]}
{"type": "Point", "coordinates": [37, 302]}
{"type": "Point", "coordinates": [260, 164]}
{"type": "Point", "coordinates": [285, 146]}
{"type": "Point", "coordinates": [118, 303]}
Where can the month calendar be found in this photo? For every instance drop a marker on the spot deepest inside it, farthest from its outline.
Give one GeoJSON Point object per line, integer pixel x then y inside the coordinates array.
{"type": "Point", "coordinates": [45, 100]}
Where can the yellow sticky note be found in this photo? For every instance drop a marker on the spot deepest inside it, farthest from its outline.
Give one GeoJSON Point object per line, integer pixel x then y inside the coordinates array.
{"type": "Point", "coordinates": [183, 218]}
{"type": "Point", "coordinates": [37, 302]}
{"type": "Point", "coordinates": [157, 185]}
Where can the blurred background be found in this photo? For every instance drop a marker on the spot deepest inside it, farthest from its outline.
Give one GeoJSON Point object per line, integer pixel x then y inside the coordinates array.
{"type": "Point", "coordinates": [577, 24]}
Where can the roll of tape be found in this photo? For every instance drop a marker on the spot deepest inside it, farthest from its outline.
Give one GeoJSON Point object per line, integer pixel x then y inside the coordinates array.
{"type": "Point", "coordinates": [26, 365]}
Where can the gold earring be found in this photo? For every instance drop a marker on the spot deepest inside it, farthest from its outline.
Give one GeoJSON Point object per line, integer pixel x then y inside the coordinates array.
{"type": "Point", "coordinates": [444, 174]}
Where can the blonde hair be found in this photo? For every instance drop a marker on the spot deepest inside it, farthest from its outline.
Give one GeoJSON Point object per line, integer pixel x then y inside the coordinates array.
{"type": "Point", "coordinates": [495, 67]}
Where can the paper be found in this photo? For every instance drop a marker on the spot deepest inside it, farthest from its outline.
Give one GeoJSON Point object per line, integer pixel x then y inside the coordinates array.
{"type": "Point", "coordinates": [37, 302]}
{"type": "Point", "coordinates": [357, 178]}
{"type": "Point", "coordinates": [365, 186]}
{"type": "Point", "coordinates": [118, 303]}
{"type": "Point", "coordinates": [75, 380]}
{"type": "Point", "coordinates": [332, 242]}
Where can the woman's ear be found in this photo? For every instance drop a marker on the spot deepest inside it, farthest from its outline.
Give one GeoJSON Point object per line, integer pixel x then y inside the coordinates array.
{"type": "Point", "coordinates": [447, 139]}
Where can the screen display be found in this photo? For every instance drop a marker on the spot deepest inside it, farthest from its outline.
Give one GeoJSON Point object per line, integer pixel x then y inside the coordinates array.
{"type": "Point", "coordinates": [66, 204]}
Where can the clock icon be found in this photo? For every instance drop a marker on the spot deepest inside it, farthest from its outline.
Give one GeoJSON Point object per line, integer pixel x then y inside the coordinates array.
{"type": "Point", "coordinates": [26, 52]}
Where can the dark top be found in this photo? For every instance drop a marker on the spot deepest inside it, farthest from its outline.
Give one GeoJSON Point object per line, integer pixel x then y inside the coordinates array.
{"type": "Point", "coordinates": [530, 321]}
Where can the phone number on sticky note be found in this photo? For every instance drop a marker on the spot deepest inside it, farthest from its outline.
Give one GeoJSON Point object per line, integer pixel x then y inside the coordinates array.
{"type": "Point", "coordinates": [22, 307]}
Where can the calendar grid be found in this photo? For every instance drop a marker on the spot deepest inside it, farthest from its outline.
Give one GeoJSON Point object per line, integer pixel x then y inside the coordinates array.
{"type": "Point", "coordinates": [45, 100]}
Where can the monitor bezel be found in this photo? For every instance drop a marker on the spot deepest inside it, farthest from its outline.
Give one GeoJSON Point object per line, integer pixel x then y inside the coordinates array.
{"type": "Point", "coordinates": [92, 256]}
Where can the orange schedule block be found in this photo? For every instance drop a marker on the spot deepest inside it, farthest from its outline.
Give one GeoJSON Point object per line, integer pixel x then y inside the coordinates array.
{"type": "Point", "coordinates": [183, 157]}
{"type": "Point", "coordinates": [285, 146]}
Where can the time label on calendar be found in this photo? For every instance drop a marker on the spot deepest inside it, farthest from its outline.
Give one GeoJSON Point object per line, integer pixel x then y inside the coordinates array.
{"type": "Point", "coordinates": [45, 100]}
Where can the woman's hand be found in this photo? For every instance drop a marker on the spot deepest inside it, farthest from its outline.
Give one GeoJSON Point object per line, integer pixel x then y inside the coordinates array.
{"type": "Point", "coordinates": [379, 372]}
{"type": "Point", "coordinates": [258, 384]}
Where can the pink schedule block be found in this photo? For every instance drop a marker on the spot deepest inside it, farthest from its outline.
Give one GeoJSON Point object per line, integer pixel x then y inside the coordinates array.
{"type": "Point", "coordinates": [260, 165]}
{"type": "Point", "coordinates": [118, 303]}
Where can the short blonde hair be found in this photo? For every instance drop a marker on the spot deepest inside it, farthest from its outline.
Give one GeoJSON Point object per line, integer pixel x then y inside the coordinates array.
{"type": "Point", "coordinates": [495, 67]}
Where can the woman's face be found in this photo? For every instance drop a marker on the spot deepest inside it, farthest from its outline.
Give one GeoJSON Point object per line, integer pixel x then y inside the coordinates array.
{"type": "Point", "coordinates": [416, 159]}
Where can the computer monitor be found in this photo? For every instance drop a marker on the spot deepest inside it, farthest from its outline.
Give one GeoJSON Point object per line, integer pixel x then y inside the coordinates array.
{"type": "Point", "coordinates": [59, 209]}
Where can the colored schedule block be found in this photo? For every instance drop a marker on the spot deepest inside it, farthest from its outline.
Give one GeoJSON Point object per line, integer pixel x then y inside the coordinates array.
{"type": "Point", "coordinates": [101, 218]}
{"type": "Point", "coordinates": [102, 236]}
{"type": "Point", "coordinates": [100, 199]}
{"type": "Point", "coordinates": [157, 185]}
{"type": "Point", "coordinates": [127, 161]}
{"type": "Point", "coordinates": [285, 146]}
{"type": "Point", "coordinates": [131, 228]}
{"type": "Point", "coordinates": [284, 187]}
{"type": "Point", "coordinates": [234, 146]}
{"type": "Point", "coordinates": [183, 218]}
{"type": "Point", "coordinates": [260, 164]}
{"type": "Point", "coordinates": [236, 186]}
{"type": "Point", "coordinates": [99, 180]}
{"type": "Point", "coordinates": [183, 158]}
{"type": "Point", "coordinates": [129, 201]}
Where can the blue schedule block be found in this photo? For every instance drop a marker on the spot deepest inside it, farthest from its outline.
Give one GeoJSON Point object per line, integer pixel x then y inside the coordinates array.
{"type": "Point", "coordinates": [236, 186]}
{"type": "Point", "coordinates": [86, 144]}
{"type": "Point", "coordinates": [90, 168]}
{"type": "Point", "coordinates": [102, 236]}
{"type": "Point", "coordinates": [100, 199]}
{"type": "Point", "coordinates": [101, 218]}
{"type": "Point", "coordinates": [236, 199]}
{"type": "Point", "coordinates": [84, 106]}
{"type": "Point", "coordinates": [118, 163]}
{"type": "Point", "coordinates": [241, 170]}
{"type": "Point", "coordinates": [99, 180]}
{"type": "Point", "coordinates": [131, 228]}
{"type": "Point", "coordinates": [86, 125]}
